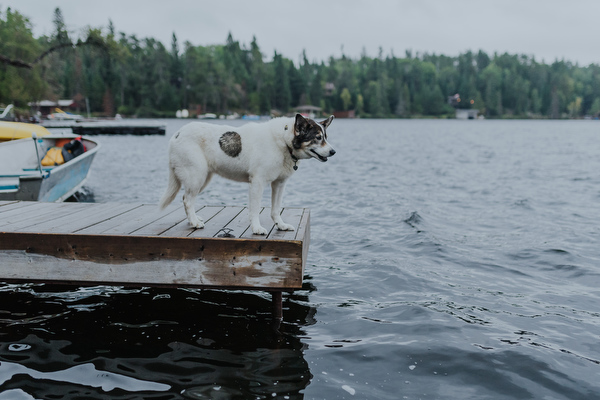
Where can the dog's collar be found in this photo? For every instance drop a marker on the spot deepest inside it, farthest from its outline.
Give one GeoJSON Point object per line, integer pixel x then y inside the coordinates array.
{"type": "Point", "coordinates": [294, 158]}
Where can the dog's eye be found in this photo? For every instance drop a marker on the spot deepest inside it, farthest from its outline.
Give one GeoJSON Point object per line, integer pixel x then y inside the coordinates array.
{"type": "Point", "coordinates": [319, 137]}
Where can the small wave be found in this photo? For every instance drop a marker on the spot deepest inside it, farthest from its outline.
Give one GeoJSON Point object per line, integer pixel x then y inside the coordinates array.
{"type": "Point", "coordinates": [523, 203]}
{"type": "Point", "coordinates": [556, 251]}
{"type": "Point", "coordinates": [414, 219]}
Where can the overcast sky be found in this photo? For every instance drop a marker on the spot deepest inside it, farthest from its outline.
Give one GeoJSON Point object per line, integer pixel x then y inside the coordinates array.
{"type": "Point", "coordinates": [546, 29]}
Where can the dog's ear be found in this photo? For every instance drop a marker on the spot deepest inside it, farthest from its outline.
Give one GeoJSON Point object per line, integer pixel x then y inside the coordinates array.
{"type": "Point", "coordinates": [300, 125]}
{"type": "Point", "coordinates": [327, 122]}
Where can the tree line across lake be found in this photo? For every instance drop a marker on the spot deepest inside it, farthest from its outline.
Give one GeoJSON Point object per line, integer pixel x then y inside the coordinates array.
{"type": "Point", "coordinates": [120, 73]}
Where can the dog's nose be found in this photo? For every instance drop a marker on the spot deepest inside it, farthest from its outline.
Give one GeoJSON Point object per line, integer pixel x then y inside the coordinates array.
{"type": "Point", "coordinates": [331, 152]}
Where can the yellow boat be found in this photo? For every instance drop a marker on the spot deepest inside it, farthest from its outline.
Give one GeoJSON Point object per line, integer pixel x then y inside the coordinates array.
{"type": "Point", "coordinates": [20, 130]}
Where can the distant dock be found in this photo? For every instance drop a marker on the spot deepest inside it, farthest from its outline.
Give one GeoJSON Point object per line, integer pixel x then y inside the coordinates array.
{"type": "Point", "coordinates": [136, 245]}
{"type": "Point", "coordinates": [109, 127]}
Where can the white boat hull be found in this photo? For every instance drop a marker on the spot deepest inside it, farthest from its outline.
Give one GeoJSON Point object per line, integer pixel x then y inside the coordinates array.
{"type": "Point", "coordinates": [20, 178]}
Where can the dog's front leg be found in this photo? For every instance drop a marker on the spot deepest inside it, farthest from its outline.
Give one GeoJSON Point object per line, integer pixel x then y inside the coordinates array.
{"type": "Point", "coordinates": [276, 197]}
{"type": "Point", "coordinates": [256, 192]}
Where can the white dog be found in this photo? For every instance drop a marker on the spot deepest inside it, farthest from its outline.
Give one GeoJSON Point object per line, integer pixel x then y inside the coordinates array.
{"type": "Point", "coordinates": [260, 154]}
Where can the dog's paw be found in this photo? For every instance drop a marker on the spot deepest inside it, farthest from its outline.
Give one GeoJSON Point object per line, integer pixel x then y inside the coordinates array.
{"type": "Point", "coordinates": [198, 224]}
{"type": "Point", "coordinates": [259, 230]}
{"type": "Point", "coordinates": [285, 227]}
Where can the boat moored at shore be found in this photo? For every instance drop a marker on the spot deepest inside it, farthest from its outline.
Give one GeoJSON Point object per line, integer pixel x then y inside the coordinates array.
{"type": "Point", "coordinates": [23, 177]}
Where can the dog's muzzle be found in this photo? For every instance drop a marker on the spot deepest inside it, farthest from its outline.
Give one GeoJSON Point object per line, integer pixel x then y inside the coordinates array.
{"type": "Point", "coordinates": [321, 157]}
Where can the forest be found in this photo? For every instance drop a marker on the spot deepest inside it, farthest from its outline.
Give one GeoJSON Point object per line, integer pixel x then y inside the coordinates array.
{"type": "Point", "coordinates": [114, 72]}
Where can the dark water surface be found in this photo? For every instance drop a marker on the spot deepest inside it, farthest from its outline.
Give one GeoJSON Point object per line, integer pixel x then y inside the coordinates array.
{"type": "Point", "coordinates": [448, 260]}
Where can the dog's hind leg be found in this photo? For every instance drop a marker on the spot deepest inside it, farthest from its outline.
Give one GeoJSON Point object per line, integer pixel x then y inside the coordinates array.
{"type": "Point", "coordinates": [194, 177]}
{"type": "Point", "coordinates": [189, 165]}
{"type": "Point", "coordinates": [189, 200]}
{"type": "Point", "coordinates": [276, 197]}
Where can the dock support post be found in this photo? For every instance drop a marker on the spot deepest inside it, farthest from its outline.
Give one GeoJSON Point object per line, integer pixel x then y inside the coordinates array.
{"type": "Point", "coordinates": [277, 305]}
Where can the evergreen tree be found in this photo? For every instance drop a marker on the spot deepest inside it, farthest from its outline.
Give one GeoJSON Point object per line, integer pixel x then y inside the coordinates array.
{"type": "Point", "coordinates": [178, 83]}
{"type": "Point", "coordinates": [317, 86]}
{"type": "Point", "coordinates": [491, 76]}
{"type": "Point", "coordinates": [346, 98]}
{"type": "Point", "coordinates": [296, 83]}
{"type": "Point", "coordinates": [281, 87]}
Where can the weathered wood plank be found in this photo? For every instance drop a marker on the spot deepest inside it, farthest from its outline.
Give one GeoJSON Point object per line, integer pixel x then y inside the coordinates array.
{"type": "Point", "coordinates": [303, 231]}
{"type": "Point", "coordinates": [33, 216]}
{"type": "Point", "coordinates": [5, 204]}
{"type": "Point", "coordinates": [210, 262]}
{"type": "Point", "coordinates": [131, 211]}
{"type": "Point", "coordinates": [25, 210]}
{"type": "Point", "coordinates": [98, 216]}
{"type": "Point", "coordinates": [146, 214]}
{"type": "Point", "coordinates": [303, 234]}
{"type": "Point", "coordinates": [66, 221]}
{"type": "Point", "coordinates": [166, 220]}
{"type": "Point", "coordinates": [290, 216]}
{"type": "Point", "coordinates": [14, 208]}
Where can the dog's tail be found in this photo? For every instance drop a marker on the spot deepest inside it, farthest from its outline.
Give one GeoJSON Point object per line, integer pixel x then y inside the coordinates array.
{"type": "Point", "coordinates": [172, 190]}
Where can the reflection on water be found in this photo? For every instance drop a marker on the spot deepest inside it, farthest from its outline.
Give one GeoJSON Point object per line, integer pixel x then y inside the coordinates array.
{"type": "Point", "coordinates": [84, 374]}
{"type": "Point", "coordinates": [61, 343]}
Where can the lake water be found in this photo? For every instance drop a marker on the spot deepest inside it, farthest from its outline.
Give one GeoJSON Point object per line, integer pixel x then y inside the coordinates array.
{"type": "Point", "coordinates": [448, 260]}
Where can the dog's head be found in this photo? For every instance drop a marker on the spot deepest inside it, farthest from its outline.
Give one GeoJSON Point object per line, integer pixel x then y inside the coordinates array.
{"type": "Point", "coordinates": [310, 138]}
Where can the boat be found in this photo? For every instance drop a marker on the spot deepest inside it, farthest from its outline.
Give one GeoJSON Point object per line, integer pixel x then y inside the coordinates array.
{"type": "Point", "coordinates": [207, 116]}
{"type": "Point", "coordinates": [20, 130]}
{"type": "Point", "coordinates": [61, 115]}
{"type": "Point", "coordinates": [22, 176]}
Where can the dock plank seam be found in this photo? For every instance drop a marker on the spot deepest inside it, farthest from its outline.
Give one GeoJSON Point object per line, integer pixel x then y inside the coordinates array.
{"type": "Point", "coordinates": [6, 205]}
{"type": "Point", "coordinates": [184, 229]}
{"type": "Point", "coordinates": [36, 219]}
{"type": "Point", "coordinates": [126, 208]}
{"type": "Point", "coordinates": [107, 221]}
{"type": "Point", "coordinates": [18, 211]}
{"type": "Point", "coordinates": [171, 225]}
{"type": "Point", "coordinates": [52, 225]}
{"type": "Point", "coordinates": [227, 220]}
{"type": "Point", "coordinates": [243, 222]}
{"type": "Point", "coordinates": [140, 222]}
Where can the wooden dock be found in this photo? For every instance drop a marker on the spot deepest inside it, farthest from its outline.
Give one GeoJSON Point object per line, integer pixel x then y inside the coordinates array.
{"type": "Point", "coordinates": [115, 127]}
{"type": "Point", "coordinates": [137, 245]}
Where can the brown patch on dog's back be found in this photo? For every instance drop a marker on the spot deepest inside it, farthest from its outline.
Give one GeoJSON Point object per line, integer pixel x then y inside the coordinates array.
{"type": "Point", "coordinates": [231, 143]}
